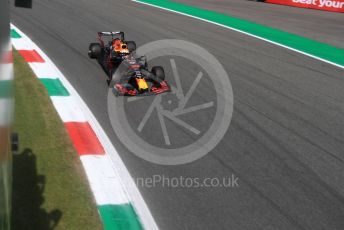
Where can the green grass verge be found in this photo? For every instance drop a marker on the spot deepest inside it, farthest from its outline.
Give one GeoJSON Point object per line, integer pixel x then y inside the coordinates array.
{"type": "Point", "coordinates": [50, 189]}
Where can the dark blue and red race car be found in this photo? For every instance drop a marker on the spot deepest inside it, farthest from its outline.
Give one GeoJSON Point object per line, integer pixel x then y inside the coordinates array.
{"type": "Point", "coordinates": [127, 74]}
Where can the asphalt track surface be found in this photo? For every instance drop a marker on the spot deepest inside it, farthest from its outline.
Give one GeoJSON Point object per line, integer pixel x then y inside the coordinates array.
{"type": "Point", "coordinates": [285, 141]}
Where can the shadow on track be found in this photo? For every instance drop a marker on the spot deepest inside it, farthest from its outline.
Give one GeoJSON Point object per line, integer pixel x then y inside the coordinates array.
{"type": "Point", "coordinates": [28, 188]}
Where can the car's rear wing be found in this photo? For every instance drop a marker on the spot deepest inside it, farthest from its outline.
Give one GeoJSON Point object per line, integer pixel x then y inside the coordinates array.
{"type": "Point", "coordinates": [113, 34]}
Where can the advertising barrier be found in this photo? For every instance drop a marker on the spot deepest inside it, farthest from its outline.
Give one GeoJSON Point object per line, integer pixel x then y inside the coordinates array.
{"type": "Point", "coordinates": [328, 5]}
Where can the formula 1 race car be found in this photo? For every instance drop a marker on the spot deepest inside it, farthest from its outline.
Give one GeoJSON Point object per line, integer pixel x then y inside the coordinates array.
{"type": "Point", "coordinates": [133, 78]}
{"type": "Point", "coordinates": [110, 50]}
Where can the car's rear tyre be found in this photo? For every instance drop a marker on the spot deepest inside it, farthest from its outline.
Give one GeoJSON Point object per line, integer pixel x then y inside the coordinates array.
{"type": "Point", "coordinates": [159, 72]}
{"type": "Point", "coordinates": [131, 45]}
{"type": "Point", "coordinates": [94, 50]}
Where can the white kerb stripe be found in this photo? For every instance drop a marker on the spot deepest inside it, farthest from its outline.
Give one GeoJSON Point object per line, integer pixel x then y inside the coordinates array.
{"type": "Point", "coordinates": [22, 44]}
{"type": "Point", "coordinates": [68, 109]}
{"type": "Point", "coordinates": [105, 184]}
{"type": "Point", "coordinates": [44, 70]}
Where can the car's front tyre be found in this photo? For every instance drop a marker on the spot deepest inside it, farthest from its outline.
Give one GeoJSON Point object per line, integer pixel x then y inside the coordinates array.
{"type": "Point", "coordinates": [159, 72]}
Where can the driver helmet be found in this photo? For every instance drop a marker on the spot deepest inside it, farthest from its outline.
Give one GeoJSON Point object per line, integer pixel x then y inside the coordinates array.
{"type": "Point", "coordinates": [119, 46]}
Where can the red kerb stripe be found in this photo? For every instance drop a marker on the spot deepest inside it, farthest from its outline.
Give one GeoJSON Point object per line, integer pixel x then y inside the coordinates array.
{"type": "Point", "coordinates": [31, 56]}
{"type": "Point", "coordinates": [84, 139]}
